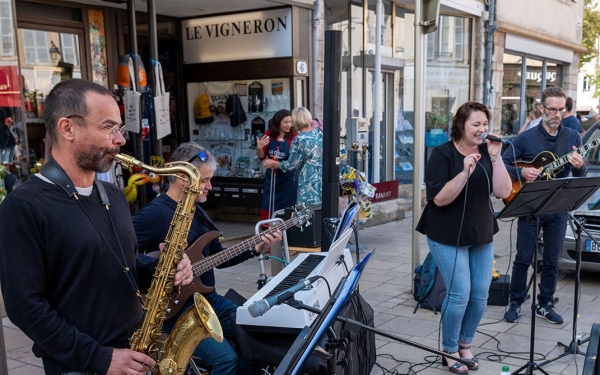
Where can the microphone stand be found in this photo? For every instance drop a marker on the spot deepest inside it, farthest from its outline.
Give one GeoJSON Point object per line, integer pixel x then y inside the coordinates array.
{"type": "Point", "coordinates": [300, 305]}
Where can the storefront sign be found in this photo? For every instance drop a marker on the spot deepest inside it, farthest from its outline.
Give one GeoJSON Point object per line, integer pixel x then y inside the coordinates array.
{"type": "Point", "coordinates": [385, 191]}
{"type": "Point", "coordinates": [537, 76]}
{"type": "Point", "coordinates": [243, 36]}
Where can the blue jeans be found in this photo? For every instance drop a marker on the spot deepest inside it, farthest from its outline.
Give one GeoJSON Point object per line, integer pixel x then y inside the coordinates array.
{"type": "Point", "coordinates": [221, 357]}
{"type": "Point", "coordinates": [554, 227]}
{"type": "Point", "coordinates": [467, 274]}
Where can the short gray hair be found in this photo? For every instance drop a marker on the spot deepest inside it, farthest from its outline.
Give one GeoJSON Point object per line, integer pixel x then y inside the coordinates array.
{"type": "Point", "coordinates": [187, 151]}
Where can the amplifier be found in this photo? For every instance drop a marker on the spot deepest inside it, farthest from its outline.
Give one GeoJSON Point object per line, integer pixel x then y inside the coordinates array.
{"type": "Point", "coordinates": [306, 236]}
{"type": "Point", "coordinates": [590, 364]}
{"type": "Point", "coordinates": [499, 291]}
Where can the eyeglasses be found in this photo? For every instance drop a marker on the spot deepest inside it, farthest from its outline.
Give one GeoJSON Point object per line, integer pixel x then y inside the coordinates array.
{"type": "Point", "coordinates": [113, 129]}
{"type": "Point", "coordinates": [201, 155]}
{"type": "Point", "coordinates": [552, 111]}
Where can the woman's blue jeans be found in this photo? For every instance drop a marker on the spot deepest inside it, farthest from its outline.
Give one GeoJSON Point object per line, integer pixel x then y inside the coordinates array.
{"type": "Point", "coordinates": [467, 274]}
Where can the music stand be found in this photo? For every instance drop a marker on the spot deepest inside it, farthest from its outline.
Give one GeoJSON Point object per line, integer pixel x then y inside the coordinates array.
{"type": "Point", "coordinates": [324, 320]}
{"type": "Point", "coordinates": [545, 197]}
{"type": "Point", "coordinates": [573, 346]}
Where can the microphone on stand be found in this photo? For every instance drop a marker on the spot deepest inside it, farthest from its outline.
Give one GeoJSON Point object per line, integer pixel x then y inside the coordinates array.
{"type": "Point", "coordinates": [493, 138]}
{"type": "Point", "coordinates": [259, 308]}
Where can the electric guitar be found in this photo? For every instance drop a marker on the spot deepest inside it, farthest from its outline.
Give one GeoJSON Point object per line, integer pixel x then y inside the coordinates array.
{"type": "Point", "coordinates": [200, 264]}
{"type": "Point", "coordinates": [550, 165]}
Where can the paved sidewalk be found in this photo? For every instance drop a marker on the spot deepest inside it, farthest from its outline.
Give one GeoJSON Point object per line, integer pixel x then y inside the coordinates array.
{"type": "Point", "coordinates": [386, 285]}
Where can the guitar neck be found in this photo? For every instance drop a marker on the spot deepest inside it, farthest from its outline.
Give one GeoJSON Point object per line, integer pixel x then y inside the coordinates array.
{"type": "Point", "coordinates": [565, 159]}
{"type": "Point", "coordinates": [210, 262]}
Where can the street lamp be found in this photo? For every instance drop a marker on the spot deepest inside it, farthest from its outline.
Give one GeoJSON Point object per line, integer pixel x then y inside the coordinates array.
{"type": "Point", "coordinates": [54, 52]}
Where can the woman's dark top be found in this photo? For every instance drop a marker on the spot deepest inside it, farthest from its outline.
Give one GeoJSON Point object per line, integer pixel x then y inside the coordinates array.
{"type": "Point", "coordinates": [286, 183]}
{"type": "Point", "coordinates": [443, 224]}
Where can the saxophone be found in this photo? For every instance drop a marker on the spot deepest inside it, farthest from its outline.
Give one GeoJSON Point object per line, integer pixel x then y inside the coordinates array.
{"type": "Point", "coordinates": [198, 322]}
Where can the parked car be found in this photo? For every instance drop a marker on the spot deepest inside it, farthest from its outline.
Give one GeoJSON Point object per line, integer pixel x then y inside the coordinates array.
{"type": "Point", "coordinates": [590, 251]}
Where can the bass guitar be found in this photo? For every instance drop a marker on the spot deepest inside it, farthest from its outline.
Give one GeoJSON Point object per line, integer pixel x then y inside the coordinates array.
{"type": "Point", "coordinates": [200, 264]}
{"type": "Point", "coordinates": [550, 165]}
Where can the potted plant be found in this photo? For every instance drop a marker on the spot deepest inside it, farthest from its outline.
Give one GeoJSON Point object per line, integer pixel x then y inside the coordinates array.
{"type": "Point", "coordinates": [436, 129]}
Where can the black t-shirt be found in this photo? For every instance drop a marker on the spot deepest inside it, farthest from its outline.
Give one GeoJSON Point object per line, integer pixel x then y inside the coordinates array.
{"type": "Point", "coordinates": [442, 224]}
{"type": "Point", "coordinates": [6, 137]}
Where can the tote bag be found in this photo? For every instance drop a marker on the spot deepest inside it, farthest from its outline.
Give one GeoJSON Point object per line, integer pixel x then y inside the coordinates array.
{"type": "Point", "coordinates": [161, 104]}
{"type": "Point", "coordinates": [131, 100]}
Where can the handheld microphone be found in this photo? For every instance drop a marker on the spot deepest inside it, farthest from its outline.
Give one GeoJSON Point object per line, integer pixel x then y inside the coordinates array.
{"type": "Point", "coordinates": [493, 138]}
{"type": "Point", "coordinates": [259, 308]}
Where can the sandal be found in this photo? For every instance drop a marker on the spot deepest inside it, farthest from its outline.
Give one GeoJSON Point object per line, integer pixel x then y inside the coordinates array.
{"type": "Point", "coordinates": [473, 364]}
{"type": "Point", "coordinates": [456, 367]}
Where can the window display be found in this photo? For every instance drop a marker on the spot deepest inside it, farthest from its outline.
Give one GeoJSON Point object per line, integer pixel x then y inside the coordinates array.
{"type": "Point", "coordinates": [227, 116]}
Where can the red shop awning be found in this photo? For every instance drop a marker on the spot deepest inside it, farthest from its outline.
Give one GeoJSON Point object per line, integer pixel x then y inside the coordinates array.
{"type": "Point", "coordinates": [10, 93]}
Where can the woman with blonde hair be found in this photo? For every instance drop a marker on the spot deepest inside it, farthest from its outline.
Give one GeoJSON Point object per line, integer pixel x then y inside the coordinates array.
{"type": "Point", "coordinates": [534, 118]}
{"type": "Point", "coordinates": [307, 156]}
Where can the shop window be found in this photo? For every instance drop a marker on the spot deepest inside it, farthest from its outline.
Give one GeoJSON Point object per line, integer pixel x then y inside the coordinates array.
{"type": "Point", "coordinates": [511, 94]}
{"type": "Point", "coordinates": [35, 44]}
{"type": "Point", "coordinates": [6, 27]}
{"type": "Point", "coordinates": [69, 48]}
{"type": "Point", "coordinates": [553, 74]}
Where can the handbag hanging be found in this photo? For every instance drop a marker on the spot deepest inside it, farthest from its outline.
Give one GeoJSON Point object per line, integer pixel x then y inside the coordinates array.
{"type": "Point", "coordinates": [161, 104]}
{"type": "Point", "coordinates": [131, 100]}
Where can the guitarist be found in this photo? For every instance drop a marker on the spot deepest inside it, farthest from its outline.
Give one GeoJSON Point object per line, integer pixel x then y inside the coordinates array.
{"type": "Point", "coordinates": [560, 140]}
{"type": "Point", "coordinates": [151, 226]}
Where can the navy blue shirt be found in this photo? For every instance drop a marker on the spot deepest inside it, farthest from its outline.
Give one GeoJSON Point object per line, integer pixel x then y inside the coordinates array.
{"type": "Point", "coordinates": [527, 145]}
{"type": "Point", "coordinates": [152, 223]}
{"type": "Point", "coordinates": [573, 123]}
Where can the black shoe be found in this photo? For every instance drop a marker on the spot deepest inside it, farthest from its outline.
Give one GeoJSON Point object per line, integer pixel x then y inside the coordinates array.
{"type": "Point", "coordinates": [513, 313]}
{"type": "Point", "coordinates": [456, 367]}
{"type": "Point", "coordinates": [547, 312]}
{"type": "Point", "coordinates": [473, 364]}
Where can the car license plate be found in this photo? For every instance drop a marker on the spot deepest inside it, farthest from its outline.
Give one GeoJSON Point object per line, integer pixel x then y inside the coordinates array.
{"type": "Point", "coordinates": [591, 246]}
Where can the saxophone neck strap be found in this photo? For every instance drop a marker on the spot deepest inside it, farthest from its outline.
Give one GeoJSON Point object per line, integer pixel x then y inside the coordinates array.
{"type": "Point", "coordinates": [54, 172]}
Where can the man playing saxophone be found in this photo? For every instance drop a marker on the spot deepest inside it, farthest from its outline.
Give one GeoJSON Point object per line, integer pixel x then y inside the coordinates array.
{"type": "Point", "coordinates": [151, 225]}
{"type": "Point", "coordinates": [69, 270]}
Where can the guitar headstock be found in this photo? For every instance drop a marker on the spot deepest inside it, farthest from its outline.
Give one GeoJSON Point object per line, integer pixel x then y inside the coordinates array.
{"type": "Point", "coordinates": [302, 214]}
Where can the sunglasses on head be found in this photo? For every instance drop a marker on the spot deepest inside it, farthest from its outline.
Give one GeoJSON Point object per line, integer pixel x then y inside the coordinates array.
{"type": "Point", "coordinates": [201, 155]}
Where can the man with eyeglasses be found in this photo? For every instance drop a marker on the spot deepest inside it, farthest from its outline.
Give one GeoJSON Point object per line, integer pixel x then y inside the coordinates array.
{"type": "Point", "coordinates": [551, 136]}
{"type": "Point", "coordinates": [69, 268]}
{"type": "Point", "coordinates": [151, 226]}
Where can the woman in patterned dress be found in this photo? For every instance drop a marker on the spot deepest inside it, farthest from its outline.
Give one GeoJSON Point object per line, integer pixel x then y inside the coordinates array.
{"type": "Point", "coordinates": [306, 155]}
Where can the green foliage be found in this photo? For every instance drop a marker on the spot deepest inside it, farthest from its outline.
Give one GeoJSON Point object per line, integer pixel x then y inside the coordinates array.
{"type": "Point", "coordinates": [591, 30]}
{"type": "Point", "coordinates": [435, 121]}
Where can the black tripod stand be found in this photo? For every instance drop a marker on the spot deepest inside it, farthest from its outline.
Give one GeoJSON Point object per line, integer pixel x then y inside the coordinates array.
{"type": "Point", "coordinates": [573, 346]}
{"type": "Point", "coordinates": [563, 195]}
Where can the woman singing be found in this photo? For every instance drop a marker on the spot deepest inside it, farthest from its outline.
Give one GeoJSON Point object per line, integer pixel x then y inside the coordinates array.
{"type": "Point", "coordinates": [459, 223]}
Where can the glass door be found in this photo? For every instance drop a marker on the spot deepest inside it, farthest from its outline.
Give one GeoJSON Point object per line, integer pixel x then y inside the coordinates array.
{"type": "Point", "coordinates": [385, 154]}
{"type": "Point", "coordinates": [46, 58]}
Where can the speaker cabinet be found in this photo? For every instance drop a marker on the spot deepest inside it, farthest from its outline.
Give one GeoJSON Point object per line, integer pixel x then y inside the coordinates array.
{"type": "Point", "coordinates": [306, 236]}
